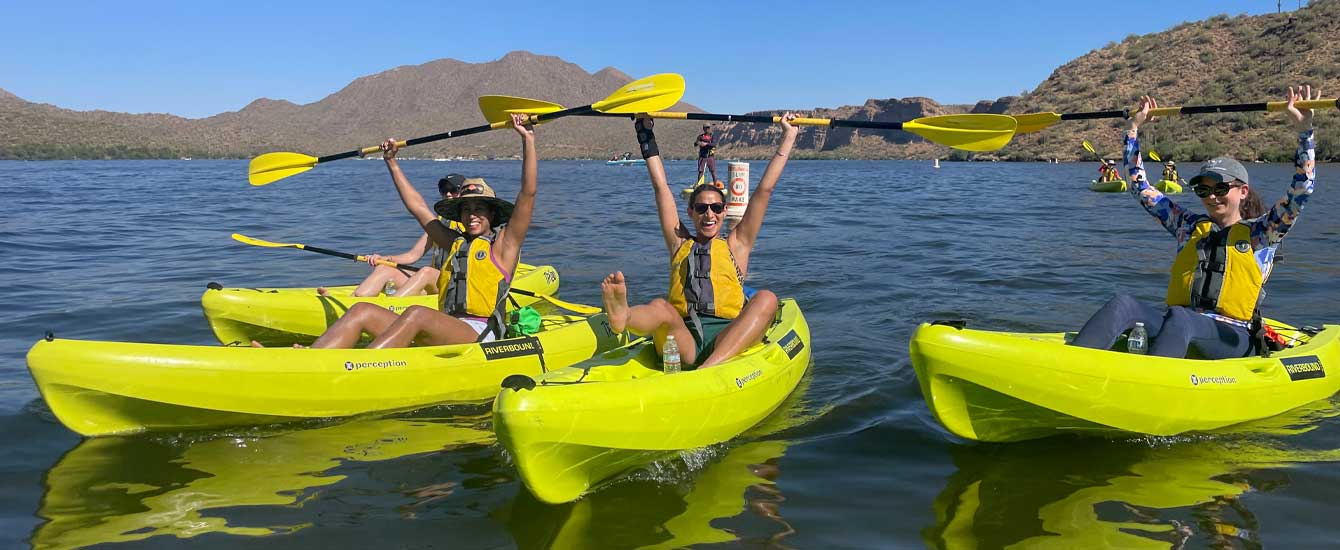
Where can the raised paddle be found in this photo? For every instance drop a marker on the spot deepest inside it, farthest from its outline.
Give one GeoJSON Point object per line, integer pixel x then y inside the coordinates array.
{"type": "Point", "coordinates": [1035, 122]}
{"type": "Point", "coordinates": [577, 308]}
{"type": "Point", "coordinates": [650, 93]}
{"type": "Point", "coordinates": [980, 132]}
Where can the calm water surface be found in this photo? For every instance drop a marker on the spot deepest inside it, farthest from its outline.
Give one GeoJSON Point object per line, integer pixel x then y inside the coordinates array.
{"type": "Point", "coordinates": [122, 250]}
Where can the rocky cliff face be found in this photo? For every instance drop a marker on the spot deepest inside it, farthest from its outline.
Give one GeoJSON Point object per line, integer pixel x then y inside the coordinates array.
{"type": "Point", "coordinates": [754, 140]}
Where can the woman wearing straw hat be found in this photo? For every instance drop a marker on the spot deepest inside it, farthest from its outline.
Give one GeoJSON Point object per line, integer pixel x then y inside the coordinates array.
{"type": "Point", "coordinates": [1223, 256]}
{"type": "Point", "coordinates": [480, 262]}
{"type": "Point", "coordinates": [707, 310]}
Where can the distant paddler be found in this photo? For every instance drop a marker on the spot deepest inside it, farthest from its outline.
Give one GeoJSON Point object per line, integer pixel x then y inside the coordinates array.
{"type": "Point", "coordinates": [707, 153]}
{"type": "Point", "coordinates": [706, 311]}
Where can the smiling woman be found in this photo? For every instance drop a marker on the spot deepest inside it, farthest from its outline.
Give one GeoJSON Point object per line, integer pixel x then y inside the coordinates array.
{"type": "Point", "coordinates": [1223, 256]}
{"type": "Point", "coordinates": [707, 304]}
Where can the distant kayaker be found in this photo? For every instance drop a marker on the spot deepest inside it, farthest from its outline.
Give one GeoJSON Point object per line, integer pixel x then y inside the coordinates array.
{"type": "Point", "coordinates": [408, 283]}
{"type": "Point", "coordinates": [1223, 257]}
{"type": "Point", "coordinates": [1107, 171]}
{"type": "Point", "coordinates": [482, 256]}
{"type": "Point", "coordinates": [707, 153]}
{"type": "Point", "coordinates": [706, 310]}
{"type": "Point", "coordinates": [1170, 171]}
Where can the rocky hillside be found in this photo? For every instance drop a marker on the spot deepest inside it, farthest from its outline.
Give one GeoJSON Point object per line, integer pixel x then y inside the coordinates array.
{"type": "Point", "coordinates": [1220, 60]}
{"type": "Point", "coordinates": [403, 102]}
{"type": "Point", "coordinates": [757, 141]}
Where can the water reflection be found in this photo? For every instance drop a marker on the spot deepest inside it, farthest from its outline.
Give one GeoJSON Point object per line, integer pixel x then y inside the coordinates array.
{"type": "Point", "coordinates": [674, 503]}
{"type": "Point", "coordinates": [128, 489]}
{"type": "Point", "coordinates": [1148, 493]}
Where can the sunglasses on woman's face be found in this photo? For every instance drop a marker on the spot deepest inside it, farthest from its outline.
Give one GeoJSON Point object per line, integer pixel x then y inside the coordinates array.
{"type": "Point", "coordinates": [702, 207]}
{"type": "Point", "coordinates": [1218, 190]}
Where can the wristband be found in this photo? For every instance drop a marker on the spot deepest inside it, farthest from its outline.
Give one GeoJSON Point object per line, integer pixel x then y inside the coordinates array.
{"type": "Point", "coordinates": [646, 140]}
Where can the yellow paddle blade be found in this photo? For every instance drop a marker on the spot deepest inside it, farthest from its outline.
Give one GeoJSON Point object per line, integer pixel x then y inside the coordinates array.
{"type": "Point", "coordinates": [657, 92]}
{"type": "Point", "coordinates": [980, 132]}
{"type": "Point", "coordinates": [1154, 156]}
{"type": "Point", "coordinates": [1088, 147]}
{"type": "Point", "coordinates": [257, 242]}
{"type": "Point", "coordinates": [272, 167]}
{"type": "Point", "coordinates": [1035, 122]}
{"type": "Point", "coordinates": [700, 179]}
{"type": "Point", "coordinates": [498, 108]}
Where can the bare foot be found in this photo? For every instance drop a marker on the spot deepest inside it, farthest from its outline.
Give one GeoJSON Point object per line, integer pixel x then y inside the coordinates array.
{"type": "Point", "coordinates": [321, 291]}
{"type": "Point", "coordinates": [299, 346]}
{"type": "Point", "coordinates": [256, 344]}
{"type": "Point", "coordinates": [614, 292]}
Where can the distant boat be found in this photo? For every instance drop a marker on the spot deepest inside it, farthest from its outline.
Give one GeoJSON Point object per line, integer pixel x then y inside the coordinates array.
{"type": "Point", "coordinates": [937, 163]}
{"type": "Point", "coordinates": [186, 158]}
{"type": "Point", "coordinates": [625, 162]}
{"type": "Point", "coordinates": [440, 160]}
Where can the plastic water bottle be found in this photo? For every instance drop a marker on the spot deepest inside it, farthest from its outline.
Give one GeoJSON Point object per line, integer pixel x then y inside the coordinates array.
{"type": "Point", "coordinates": [1138, 341]}
{"type": "Point", "coordinates": [670, 355]}
{"type": "Point", "coordinates": [389, 289]}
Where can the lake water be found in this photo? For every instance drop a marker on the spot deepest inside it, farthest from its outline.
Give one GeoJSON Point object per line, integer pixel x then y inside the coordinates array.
{"type": "Point", "coordinates": [121, 250]}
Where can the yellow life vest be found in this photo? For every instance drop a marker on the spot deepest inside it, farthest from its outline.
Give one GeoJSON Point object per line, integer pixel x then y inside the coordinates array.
{"type": "Point", "coordinates": [1217, 271]}
{"type": "Point", "coordinates": [705, 280]}
{"type": "Point", "coordinates": [440, 254]}
{"type": "Point", "coordinates": [471, 284]}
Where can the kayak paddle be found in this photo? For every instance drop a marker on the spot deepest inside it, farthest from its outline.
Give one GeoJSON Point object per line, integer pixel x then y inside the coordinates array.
{"type": "Point", "coordinates": [1089, 147]}
{"type": "Point", "coordinates": [1035, 122]}
{"type": "Point", "coordinates": [979, 132]}
{"type": "Point", "coordinates": [268, 244]}
{"type": "Point", "coordinates": [650, 93]}
{"type": "Point", "coordinates": [577, 308]}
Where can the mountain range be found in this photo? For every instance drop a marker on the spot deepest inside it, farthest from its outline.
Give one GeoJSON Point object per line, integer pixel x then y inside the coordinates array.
{"type": "Point", "coordinates": [1219, 60]}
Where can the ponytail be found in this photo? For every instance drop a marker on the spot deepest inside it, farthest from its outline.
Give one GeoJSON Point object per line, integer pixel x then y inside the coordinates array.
{"type": "Point", "coordinates": [1252, 206]}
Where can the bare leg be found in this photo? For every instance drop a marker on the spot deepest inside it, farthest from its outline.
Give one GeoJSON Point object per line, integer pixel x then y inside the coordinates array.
{"type": "Point", "coordinates": [656, 319]}
{"type": "Point", "coordinates": [372, 285]}
{"type": "Point", "coordinates": [346, 332]}
{"type": "Point", "coordinates": [744, 330]}
{"type": "Point", "coordinates": [437, 328]}
{"type": "Point", "coordinates": [418, 282]}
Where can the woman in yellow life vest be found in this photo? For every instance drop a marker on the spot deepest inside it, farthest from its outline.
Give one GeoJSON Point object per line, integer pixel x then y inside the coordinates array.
{"type": "Point", "coordinates": [480, 262]}
{"type": "Point", "coordinates": [407, 283]}
{"type": "Point", "coordinates": [707, 305]}
{"type": "Point", "coordinates": [1170, 171]}
{"type": "Point", "coordinates": [1223, 256]}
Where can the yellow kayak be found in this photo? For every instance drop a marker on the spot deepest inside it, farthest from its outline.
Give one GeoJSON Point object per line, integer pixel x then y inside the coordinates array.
{"type": "Point", "coordinates": [285, 316]}
{"type": "Point", "coordinates": [1107, 186]}
{"type": "Point", "coordinates": [1168, 186]}
{"type": "Point", "coordinates": [999, 386]}
{"type": "Point", "coordinates": [107, 388]}
{"type": "Point", "coordinates": [572, 428]}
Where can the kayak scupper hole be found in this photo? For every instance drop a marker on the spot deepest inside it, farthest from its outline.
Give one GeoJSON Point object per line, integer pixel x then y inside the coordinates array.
{"type": "Point", "coordinates": [518, 382]}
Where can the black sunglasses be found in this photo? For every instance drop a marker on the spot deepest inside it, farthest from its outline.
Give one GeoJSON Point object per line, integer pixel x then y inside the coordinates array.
{"type": "Point", "coordinates": [702, 207]}
{"type": "Point", "coordinates": [1218, 190]}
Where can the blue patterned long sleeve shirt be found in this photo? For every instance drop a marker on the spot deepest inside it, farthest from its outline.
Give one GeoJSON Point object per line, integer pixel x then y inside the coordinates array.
{"type": "Point", "coordinates": [1266, 231]}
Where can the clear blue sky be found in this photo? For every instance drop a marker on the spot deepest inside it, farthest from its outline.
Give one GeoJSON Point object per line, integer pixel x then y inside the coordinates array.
{"type": "Point", "coordinates": [199, 58]}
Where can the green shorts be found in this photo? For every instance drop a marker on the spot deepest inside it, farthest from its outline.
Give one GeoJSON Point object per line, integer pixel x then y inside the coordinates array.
{"type": "Point", "coordinates": [705, 342]}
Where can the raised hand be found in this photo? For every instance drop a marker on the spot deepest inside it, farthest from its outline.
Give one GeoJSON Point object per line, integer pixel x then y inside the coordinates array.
{"type": "Point", "coordinates": [1302, 119]}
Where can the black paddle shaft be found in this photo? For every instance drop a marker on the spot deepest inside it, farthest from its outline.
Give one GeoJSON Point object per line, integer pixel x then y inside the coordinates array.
{"type": "Point", "coordinates": [339, 254]}
{"type": "Point", "coordinates": [1188, 110]}
{"type": "Point", "coordinates": [768, 119]}
{"type": "Point", "coordinates": [461, 133]}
